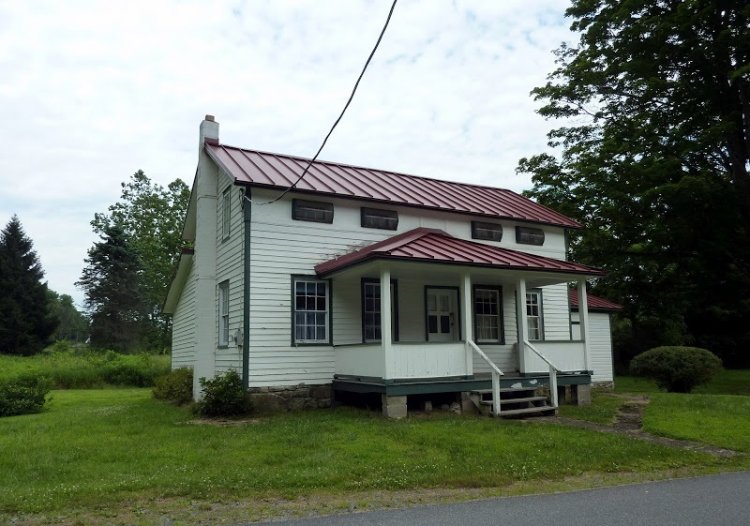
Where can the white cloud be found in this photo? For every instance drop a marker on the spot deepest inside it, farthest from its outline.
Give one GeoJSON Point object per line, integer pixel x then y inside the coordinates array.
{"type": "Point", "coordinates": [93, 91]}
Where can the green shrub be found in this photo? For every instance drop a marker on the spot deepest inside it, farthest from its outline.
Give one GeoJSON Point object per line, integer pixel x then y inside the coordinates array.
{"type": "Point", "coordinates": [224, 395]}
{"type": "Point", "coordinates": [175, 386]}
{"type": "Point", "coordinates": [23, 395]}
{"type": "Point", "coordinates": [676, 369]}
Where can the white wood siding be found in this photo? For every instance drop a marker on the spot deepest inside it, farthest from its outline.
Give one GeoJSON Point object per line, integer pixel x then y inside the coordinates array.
{"type": "Point", "coordinates": [229, 266]}
{"type": "Point", "coordinates": [281, 247]}
{"type": "Point", "coordinates": [555, 312]}
{"type": "Point", "coordinates": [600, 344]}
{"type": "Point", "coordinates": [183, 326]}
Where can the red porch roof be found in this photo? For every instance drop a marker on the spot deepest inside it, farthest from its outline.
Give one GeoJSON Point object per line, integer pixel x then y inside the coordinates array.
{"type": "Point", "coordinates": [594, 302]}
{"type": "Point", "coordinates": [428, 245]}
{"type": "Point", "coordinates": [251, 167]}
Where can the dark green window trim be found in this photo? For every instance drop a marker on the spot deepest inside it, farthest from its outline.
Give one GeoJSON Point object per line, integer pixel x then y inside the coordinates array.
{"type": "Point", "coordinates": [526, 235]}
{"type": "Point", "coordinates": [501, 314]}
{"type": "Point", "coordinates": [426, 315]}
{"type": "Point", "coordinates": [226, 214]}
{"type": "Point", "coordinates": [486, 231]}
{"type": "Point", "coordinates": [223, 319]}
{"type": "Point", "coordinates": [394, 313]}
{"type": "Point", "coordinates": [313, 211]}
{"type": "Point", "coordinates": [293, 309]}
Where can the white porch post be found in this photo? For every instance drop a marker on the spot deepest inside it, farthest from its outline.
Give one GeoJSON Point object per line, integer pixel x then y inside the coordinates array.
{"type": "Point", "coordinates": [583, 315]}
{"type": "Point", "coordinates": [386, 320]}
{"type": "Point", "coordinates": [523, 323]}
{"type": "Point", "coordinates": [466, 320]}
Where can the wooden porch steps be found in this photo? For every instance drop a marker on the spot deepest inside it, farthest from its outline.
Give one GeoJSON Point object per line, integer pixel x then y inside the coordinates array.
{"type": "Point", "coordinates": [514, 402]}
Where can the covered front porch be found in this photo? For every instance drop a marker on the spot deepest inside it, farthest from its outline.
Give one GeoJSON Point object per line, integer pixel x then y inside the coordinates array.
{"type": "Point", "coordinates": [426, 325]}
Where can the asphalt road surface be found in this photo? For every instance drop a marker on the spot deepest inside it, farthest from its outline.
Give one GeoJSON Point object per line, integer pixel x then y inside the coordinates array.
{"type": "Point", "coordinates": [716, 500]}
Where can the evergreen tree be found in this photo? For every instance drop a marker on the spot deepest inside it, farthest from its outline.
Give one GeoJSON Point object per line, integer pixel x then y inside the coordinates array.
{"type": "Point", "coordinates": [152, 217]}
{"type": "Point", "coordinates": [111, 280]}
{"type": "Point", "coordinates": [25, 320]}
{"type": "Point", "coordinates": [654, 160]}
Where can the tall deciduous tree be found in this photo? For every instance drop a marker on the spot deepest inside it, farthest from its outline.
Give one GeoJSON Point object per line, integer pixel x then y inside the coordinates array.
{"type": "Point", "coordinates": [73, 324]}
{"type": "Point", "coordinates": [654, 159]}
{"type": "Point", "coordinates": [152, 217]}
{"type": "Point", "coordinates": [25, 320]}
{"type": "Point", "coordinates": [112, 281]}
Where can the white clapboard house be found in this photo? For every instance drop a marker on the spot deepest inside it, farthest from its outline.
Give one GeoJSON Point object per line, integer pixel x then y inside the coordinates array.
{"type": "Point", "coordinates": [367, 281]}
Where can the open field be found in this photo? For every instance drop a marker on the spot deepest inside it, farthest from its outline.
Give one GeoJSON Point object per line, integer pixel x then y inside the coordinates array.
{"type": "Point", "coordinates": [86, 369]}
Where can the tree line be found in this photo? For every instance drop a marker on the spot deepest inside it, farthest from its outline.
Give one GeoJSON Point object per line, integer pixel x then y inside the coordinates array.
{"type": "Point", "coordinates": [125, 277]}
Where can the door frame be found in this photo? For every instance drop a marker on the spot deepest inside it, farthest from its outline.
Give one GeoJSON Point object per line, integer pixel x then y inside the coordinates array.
{"type": "Point", "coordinates": [457, 337]}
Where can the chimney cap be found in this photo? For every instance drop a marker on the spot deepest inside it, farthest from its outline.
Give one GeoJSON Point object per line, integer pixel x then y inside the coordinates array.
{"type": "Point", "coordinates": [210, 117]}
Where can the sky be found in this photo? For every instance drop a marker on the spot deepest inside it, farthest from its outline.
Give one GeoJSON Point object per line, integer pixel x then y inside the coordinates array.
{"type": "Point", "coordinates": [91, 92]}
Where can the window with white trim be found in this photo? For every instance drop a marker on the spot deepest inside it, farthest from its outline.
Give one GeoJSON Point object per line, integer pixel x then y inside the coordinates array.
{"type": "Point", "coordinates": [310, 310]}
{"type": "Point", "coordinates": [226, 213]}
{"type": "Point", "coordinates": [534, 315]}
{"type": "Point", "coordinates": [488, 318]}
{"type": "Point", "coordinates": [224, 313]}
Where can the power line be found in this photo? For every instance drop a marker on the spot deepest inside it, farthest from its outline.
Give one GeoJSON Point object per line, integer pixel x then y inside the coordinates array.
{"type": "Point", "coordinates": [341, 115]}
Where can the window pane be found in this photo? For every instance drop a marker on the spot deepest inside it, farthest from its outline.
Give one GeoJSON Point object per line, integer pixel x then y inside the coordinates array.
{"type": "Point", "coordinates": [432, 323]}
{"type": "Point", "coordinates": [321, 303]}
{"type": "Point", "coordinates": [445, 324]}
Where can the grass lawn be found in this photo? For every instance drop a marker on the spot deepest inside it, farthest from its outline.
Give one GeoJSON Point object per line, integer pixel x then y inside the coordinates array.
{"type": "Point", "coordinates": [103, 449]}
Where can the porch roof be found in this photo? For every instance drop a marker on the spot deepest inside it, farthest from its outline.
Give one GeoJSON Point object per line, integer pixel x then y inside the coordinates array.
{"type": "Point", "coordinates": [428, 245]}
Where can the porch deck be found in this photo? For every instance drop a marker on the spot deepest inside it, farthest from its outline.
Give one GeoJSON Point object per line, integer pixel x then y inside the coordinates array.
{"type": "Point", "coordinates": [457, 384]}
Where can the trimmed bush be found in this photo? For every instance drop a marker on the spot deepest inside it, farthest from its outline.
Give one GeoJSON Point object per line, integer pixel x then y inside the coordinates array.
{"type": "Point", "coordinates": [676, 369]}
{"type": "Point", "coordinates": [23, 395]}
{"type": "Point", "coordinates": [224, 395]}
{"type": "Point", "coordinates": [175, 386]}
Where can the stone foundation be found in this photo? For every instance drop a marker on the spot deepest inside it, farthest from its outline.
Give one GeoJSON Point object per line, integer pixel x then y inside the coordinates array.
{"type": "Point", "coordinates": [290, 398]}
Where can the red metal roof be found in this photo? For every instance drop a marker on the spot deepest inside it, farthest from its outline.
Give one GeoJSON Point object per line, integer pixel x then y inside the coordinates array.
{"type": "Point", "coordinates": [273, 170]}
{"type": "Point", "coordinates": [435, 246]}
{"type": "Point", "coordinates": [593, 302]}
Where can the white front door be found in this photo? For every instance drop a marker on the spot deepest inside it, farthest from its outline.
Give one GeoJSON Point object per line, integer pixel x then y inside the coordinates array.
{"type": "Point", "coordinates": [441, 315]}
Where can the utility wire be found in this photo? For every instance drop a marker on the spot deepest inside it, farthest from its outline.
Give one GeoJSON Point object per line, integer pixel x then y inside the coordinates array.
{"type": "Point", "coordinates": [346, 106]}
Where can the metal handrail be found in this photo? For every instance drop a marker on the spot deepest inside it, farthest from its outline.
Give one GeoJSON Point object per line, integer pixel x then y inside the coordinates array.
{"type": "Point", "coordinates": [496, 374]}
{"type": "Point", "coordinates": [553, 370]}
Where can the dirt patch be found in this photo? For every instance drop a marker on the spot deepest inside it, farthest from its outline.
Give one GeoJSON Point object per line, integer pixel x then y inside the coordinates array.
{"type": "Point", "coordinates": [629, 417]}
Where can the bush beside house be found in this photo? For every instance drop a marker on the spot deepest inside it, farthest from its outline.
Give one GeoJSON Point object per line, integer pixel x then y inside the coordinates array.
{"type": "Point", "coordinates": [676, 369]}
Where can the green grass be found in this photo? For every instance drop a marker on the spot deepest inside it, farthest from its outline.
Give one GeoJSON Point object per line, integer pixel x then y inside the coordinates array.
{"type": "Point", "coordinates": [602, 410]}
{"type": "Point", "coordinates": [102, 448]}
{"type": "Point", "coordinates": [86, 369]}
{"type": "Point", "coordinates": [720, 420]}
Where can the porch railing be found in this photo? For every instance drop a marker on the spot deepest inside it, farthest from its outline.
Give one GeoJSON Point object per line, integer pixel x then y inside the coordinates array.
{"type": "Point", "coordinates": [496, 374]}
{"type": "Point", "coordinates": [553, 370]}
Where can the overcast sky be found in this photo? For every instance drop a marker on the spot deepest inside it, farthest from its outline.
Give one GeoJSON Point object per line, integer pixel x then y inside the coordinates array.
{"type": "Point", "coordinates": [91, 92]}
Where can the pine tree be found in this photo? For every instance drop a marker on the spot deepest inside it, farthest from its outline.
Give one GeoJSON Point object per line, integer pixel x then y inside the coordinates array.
{"type": "Point", "coordinates": [25, 319]}
{"type": "Point", "coordinates": [114, 293]}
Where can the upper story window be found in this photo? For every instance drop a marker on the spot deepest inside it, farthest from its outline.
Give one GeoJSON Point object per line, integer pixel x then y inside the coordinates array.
{"type": "Point", "coordinates": [311, 320]}
{"type": "Point", "coordinates": [488, 231]}
{"type": "Point", "coordinates": [379, 218]}
{"type": "Point", "coordinates": [526, 235]}
{"type": "Point", "coordinates": [315, 211]}
{"type": "Point", "coordinates": [226, 213]}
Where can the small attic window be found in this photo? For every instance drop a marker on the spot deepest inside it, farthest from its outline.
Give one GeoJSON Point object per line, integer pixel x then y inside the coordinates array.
{"type": "Point", "coordinates": [487, 231]}
{"type": "Point", "coordinates": [526, 235]}
{"type": "Point", "coordinates": [315, 211]}
{"type": "Point", "coordinates": [379, 218]}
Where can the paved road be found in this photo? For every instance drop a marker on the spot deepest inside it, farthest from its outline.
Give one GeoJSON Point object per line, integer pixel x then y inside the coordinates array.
{"type": "Point", "coordinates": [719, 500]}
